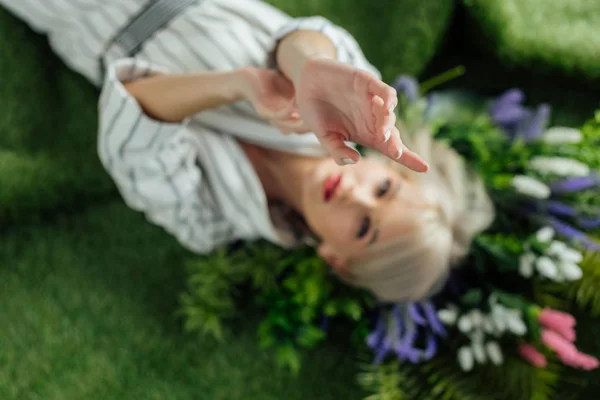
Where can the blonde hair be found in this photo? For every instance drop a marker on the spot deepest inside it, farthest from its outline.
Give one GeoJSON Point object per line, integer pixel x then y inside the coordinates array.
{"type": "Point", "coordinates": [439, 233]}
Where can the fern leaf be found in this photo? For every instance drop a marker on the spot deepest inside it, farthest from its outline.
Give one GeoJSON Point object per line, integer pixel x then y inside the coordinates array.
{"type": "Point", "coordinates": [586, 291]}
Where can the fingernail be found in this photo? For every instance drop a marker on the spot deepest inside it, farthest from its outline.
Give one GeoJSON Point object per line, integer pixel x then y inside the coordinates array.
{"type": "Point", "coordinates": [387, 135]}
{"type": "Point", "coordinates": [348, 161]}
{"type": "Point", "coordinates": [391, 108]}
{"type": "Point", "coordinates": [400, 152]}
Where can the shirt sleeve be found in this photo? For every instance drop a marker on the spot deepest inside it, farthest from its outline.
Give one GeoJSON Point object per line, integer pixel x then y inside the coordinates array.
{"type": "Point", "coordinates": [154, 163]}
{"type": "Point", "coordinates": [348, 49]}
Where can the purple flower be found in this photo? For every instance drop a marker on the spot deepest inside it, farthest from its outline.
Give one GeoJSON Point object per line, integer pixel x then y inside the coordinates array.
{"type": "Point", "coordinates": [509, 113]}
{"type": "Point", "coordinates": [434, 322]}
{"type": "Point", "coordinates": [536, 124]}
{"type": "Point", "coordinates": [376, 337]}
{"type": "Point", "coordinates": [407, 85]}
{"type": "Point", "coordinates": [560, 209]}
{"type": "Point", "coordinates": [431, 99]}
{"type": "Point", "coordinates": [416, 316]}
{"type": "Point", "coordinates": [510, 97]}
{"type": "Point", "coordinates": [572, 233]}
{"type": "Point", "coordinates": [431, 348]}
{"type": "Point", "coordinates": [589, 223]}
{"type": "Point", "coordinates": [576, 184]}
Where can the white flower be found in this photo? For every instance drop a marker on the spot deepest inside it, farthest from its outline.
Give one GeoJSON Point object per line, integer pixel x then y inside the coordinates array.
{"type": "Point", "coordinates": [465, 324]}
{"type": "Point", "coordinates": [559, 166]}
{"type": "Point", "coordinates": [562, 135]}
{"type": "Point", "coordinates": [556, 248]}
{"type": "Point", "coordinates": [526, 264]}
{"type": "Point", "coordinates": [465, 358]}
{"type": "Point", "coordinates": [488, 325]}
{"type": "Point", "coordinates": [545, 234]}
{"type": "Point", "coordinates": [477, 336]}
{"type": "Point", "coordinates": [530, 187]}
{"type": "Point", "coordinates": [499, 317]}
{"type": "Point", "coordinates": [571, 255]}
{"type": "Point", "coordinates": [495, 353]}
{"type": "Point", "coordinates": [448, 316]}
{"type": "Point", "coordinates": [478, 352]}
{"type": "Point", "coordinates": [476, 318]}
{"type": "Point", "coordinates": [514, 322]}
{"type": "Point", "coordinates": [546, 267]}
{"type": "Point", "coordinates": [570, 271]}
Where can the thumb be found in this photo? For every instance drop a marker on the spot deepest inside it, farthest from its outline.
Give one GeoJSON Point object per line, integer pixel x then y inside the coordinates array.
{"type": "Point", "coordinates": [397, 151]}
{"type": "Point", "coordinates": [334, 143]}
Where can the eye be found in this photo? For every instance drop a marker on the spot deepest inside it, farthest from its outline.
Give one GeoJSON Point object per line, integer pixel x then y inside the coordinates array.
{"type": "Point", "coordinates": [384, 187]}
{"type": "Point", "coordinates": [364, 228]}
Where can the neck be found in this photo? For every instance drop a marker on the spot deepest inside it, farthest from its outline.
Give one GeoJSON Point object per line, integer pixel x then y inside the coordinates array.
{"type": "Point", "coordinates": [281, 174]}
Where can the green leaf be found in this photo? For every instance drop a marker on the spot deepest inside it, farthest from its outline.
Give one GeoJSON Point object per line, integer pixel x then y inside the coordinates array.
{"type": "Point", "coordinates": [289, 357]}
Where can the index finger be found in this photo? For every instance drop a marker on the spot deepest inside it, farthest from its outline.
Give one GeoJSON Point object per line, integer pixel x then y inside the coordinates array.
{"type": "Point", "coordinates": [397, 151]}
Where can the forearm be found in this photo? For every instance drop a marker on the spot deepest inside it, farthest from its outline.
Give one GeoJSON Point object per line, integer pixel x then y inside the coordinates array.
{"type": "Point", "coordinates": [299, 47]}
{"type": "Point", "coordinates": [173, 98]}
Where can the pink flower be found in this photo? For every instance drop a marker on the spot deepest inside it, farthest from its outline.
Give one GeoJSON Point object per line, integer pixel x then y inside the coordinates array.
{"type": "Point", "coordinates": [561, 345]}
{"type": "Point", "coordinates": [532, 355]}
{"type": "Point", "coordinates": [560, 322]}
{"type": "Point", "coordinates": [580, 360]}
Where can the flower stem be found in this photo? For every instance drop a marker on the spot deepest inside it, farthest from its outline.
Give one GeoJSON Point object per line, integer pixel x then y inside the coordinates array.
{"type": "Point", "coordinates": [442, 78]}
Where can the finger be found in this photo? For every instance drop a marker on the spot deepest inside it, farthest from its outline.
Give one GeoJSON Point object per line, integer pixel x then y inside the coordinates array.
{"type": "Point", "coordinates": [383, 120]}
{"type": "Point", "coordinates": [335, 145]}
{"type": "Point", "coordinates": [387, 93]}
{"type": "Point", "coordinates": [397, 151]}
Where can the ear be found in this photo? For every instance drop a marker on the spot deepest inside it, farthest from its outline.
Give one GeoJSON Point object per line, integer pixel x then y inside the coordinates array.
{"type": "Point", "coordinates": [338, 261]}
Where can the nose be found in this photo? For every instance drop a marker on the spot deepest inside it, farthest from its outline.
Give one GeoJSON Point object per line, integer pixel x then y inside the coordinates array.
{"type": "Point", "coordinates": [362, 197]}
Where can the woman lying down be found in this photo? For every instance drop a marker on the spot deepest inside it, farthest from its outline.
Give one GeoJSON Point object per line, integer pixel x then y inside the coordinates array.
{"type": "Point", "coordinates": [226, 120]}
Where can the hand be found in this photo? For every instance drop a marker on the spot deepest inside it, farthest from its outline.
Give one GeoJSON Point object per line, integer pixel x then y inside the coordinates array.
{"type": "Point", "coordinates": [274, 99]}
{"type": "Point", "coordinates": [342, 103]}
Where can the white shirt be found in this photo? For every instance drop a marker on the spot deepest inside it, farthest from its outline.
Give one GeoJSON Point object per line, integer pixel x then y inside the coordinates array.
{"type": "Point", "coordinates": [192, 178]}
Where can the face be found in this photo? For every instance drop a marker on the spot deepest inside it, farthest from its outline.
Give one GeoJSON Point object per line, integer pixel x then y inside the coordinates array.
{"type": "Point", "coordinates": [352, 208]}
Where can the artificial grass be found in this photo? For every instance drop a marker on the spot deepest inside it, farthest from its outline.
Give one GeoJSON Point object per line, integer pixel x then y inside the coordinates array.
{"type": "Point", "coordinates": [89, 308]}
{"type": "Point", "coordinates": [542, 34]}
{"type": "Point", "coordinates": [398, 37]}
{"type": "Point", "coordinates": [47, 130]}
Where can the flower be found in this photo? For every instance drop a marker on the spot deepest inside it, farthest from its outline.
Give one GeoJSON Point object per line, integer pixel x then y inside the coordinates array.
{"type": "Point", "coordinates": [517, 120]}
{"type": "Point", "coordinates": [562, 135]}
{"type": "Point", "coordinates": [526, 264]}
{"type": "Point", "coordinates": [557, 321]}
{"type": "Point", "coordinates": [545, 234]}
{"type": "Point", "coordinates": [532, 355]}
{"type": "Point", "coordinates": [560, 209]}
{"type": "Point", "coordinates": [407, 85]}
{"type": "Point", "coordinates": [570, 271]}
{"type": "Point", "coordinates": [495, 353]}
{"type": "Point", "coordinates": [465, 323]}
{"type": "Point", "coordinates": [465, 358]}
{"type": "Point", "coordinates": [572, 233]}
{"type": "Point", "coordinates": [546, 267]}
{"type": "Point", "coordinates": [515, 323]}
{"type": "Point", "coordinates": [534, 126]}
{"type": "Point", "coordinates": [555, 341]}
{"type": "Point", "coordinates": [588, 223]}
{"type": "Point", "coordinates": [559, 166]}
{"type": "Point", "coordinates": [478, 351]}
{"type": "Point", "coordinates": [581, 360]}
{"type": "Point", "coordinates": [448, 315]}
{"type": "Point", "coordinates": [575, 184]}
{"type": "Point", "coordinates": [530, 187]}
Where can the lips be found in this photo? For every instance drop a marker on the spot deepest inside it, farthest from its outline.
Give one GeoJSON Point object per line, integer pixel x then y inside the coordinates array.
{"type": "Point", "coordinates": [331, 184]}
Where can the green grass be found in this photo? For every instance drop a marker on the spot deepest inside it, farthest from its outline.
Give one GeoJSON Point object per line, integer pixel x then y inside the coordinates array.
{"type": "Point", "coordinates": [89, 290]}
{"type": "Point", "coordinates": [88, 304]}
{"type": "Point", "coordinates": [543, 34]}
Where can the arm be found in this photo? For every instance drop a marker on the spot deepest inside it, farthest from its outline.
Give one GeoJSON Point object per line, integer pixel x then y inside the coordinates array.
{"type": "Point", "coordinates": [300, 47]}
{"type": "Point", "coordinates": [172, 98]}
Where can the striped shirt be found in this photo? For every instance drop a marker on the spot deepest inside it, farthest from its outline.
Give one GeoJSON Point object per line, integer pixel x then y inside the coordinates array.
{"type": "Point", "coordinates": [192, 178]}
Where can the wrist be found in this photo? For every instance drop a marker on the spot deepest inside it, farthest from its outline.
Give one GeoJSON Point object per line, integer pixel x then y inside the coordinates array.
{"type": "Point", "coordinates": [307, 63]}
{"type": "Point", "coordinates": [236, 84]}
